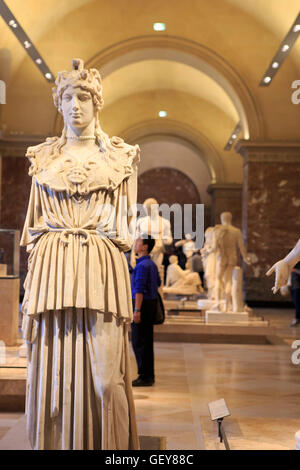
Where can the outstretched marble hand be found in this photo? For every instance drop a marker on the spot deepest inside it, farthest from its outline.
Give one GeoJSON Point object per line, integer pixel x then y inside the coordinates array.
{"type": "Point", "coordinates": [282, 273]}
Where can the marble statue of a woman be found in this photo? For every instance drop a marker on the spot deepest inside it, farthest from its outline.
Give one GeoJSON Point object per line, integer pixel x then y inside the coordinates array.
{"type": "Point", "coordinates": [77, 303]}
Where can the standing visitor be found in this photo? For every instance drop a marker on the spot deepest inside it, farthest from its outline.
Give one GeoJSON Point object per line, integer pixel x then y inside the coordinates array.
{"type": "Point", "coordinates": [145, 284]}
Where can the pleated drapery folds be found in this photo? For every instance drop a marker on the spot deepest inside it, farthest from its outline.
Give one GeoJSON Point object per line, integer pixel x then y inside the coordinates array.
{"type": "Point", "coordinates": [93, 275]}
{"type": "Point", "coordinates": [78, 390]}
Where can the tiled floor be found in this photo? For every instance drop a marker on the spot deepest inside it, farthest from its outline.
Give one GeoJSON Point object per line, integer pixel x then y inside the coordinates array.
{"type": "Point", "coordinates": [260, 384]}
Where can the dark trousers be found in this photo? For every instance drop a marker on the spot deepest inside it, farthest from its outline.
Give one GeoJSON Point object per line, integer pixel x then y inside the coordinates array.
{"type": "Point", "coordinates": [296, 300]}
{"type": "Point", "coordinates": [142, 340]}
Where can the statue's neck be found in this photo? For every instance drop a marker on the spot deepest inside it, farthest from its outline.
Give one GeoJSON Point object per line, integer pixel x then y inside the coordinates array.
{"type": "Point", "coordinates": [81, 132]}
{"type": "Point", "coordinates": [78, 138]}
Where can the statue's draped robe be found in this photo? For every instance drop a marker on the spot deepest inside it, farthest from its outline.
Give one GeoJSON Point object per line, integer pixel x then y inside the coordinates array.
{"type": "Point", "coordinates": [77, 302]}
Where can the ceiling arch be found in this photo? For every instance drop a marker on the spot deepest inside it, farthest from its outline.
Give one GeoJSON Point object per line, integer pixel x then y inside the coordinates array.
{"type": "Point", "coordinates": [163, 75]}
{"type": "Point", "coordinates": [239, 36]}
{"type": "Point", "coordinates": [192, 137]}
{"type": "Point", "coordinates": [190, 53]}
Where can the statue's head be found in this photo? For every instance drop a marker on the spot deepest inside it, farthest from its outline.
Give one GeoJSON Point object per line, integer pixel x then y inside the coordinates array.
{"type": "Point", "coordinates": [78, 94]}
{"type": "Point", "coordinates": [188, 236]}
{"type": "Point", "coordinates": [226, 218]}
{"type": "Point", "coordinates": [151, 206]}
{"type": "Point", "coordinates": [173, 259]}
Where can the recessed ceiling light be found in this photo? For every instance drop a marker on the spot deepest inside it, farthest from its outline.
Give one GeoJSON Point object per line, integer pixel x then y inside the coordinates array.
{"type": "Point", "coordinates": [159, 26]}
{"type": "Point", "coordinates": [233, 137]}
{"type": "Point", "coordinates": [26, 42]}
{"type": "Point", "coordinates": [282, 53]}
{"type": "Point", "coordinates": [162, 113]}
{"type": "Point", "coordinates": [13, 24]}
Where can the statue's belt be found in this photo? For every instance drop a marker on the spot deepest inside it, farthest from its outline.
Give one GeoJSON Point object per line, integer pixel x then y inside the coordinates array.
{"type": "Point", "coordinates": [84, 233]}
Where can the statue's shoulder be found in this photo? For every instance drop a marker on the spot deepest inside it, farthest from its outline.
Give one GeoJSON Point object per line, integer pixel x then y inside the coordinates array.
{"type": "Point", "coordinates": [123, 156]}
{"type": "Point", "coordinates": [119, 145]}
{"type": "Point", "coordinates": [235, 230]}
{"type": "Point", "coordinates": [39, 154]}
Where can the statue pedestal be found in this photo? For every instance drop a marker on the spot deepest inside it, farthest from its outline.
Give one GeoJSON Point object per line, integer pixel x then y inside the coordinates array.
{"type": "Point", "coordinates": [297, 437]}
{"type": "Point", "coordinates": [23, 350]}
{"type": "Point", "coordinates": [3, 269]}
{"type": "Point", "coordinates": [9, 310]}
{"type": "Point", "coordinates": [207, 304]}
{"type": "Point", "coordinates": [226, 317]}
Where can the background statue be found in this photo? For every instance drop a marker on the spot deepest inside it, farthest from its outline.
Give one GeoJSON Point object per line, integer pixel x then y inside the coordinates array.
{"type": "Point", "coordinates": [228, 245]}
{"type": "Point", "coordinates": [158, 227]}
{"type": "Point", "coordinates": [77, 303]}
{"type": "Point", "coordinates": [188, 247]}
{"type": "Point", "coordinates": [209, 262]}
{"type": "Point", "coordinates": [181, 281]}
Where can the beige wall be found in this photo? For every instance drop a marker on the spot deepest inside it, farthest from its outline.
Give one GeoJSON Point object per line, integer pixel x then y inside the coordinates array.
{"type": "Point", "coordinates": [174, 153]}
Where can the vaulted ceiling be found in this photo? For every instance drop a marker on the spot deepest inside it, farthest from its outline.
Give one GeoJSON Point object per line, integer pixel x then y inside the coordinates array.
{"type": "Point", "coordinates": [204, 70]}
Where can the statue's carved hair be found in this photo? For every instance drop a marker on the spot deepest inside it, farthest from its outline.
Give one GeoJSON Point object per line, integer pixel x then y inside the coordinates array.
{"type": "Point", "coordinates": [89, 80]}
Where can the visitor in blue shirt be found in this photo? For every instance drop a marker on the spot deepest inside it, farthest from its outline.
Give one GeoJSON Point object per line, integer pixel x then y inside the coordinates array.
{"type": "Point", "coordinates": [144, 285]}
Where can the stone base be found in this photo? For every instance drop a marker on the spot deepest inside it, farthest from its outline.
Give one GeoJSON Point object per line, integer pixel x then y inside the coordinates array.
{"type": "Point", "coordinates": [153, 442]}
{"type": "Point", "coordinates": [9, 310]}
{"type": "Point", "coordinates": [23, 350]}
{"type": "Point", "coordinates": [178, 297]}
{"type": "Point", "coordinates": [226, 317]}
{"type": "Point", "coordinates": [207, 304]}
{"type": "Point", "coordinates": [3, 269]}
{"type": "Point", "coordinates": [13, 390]}
{"type": "Point", "coordinates": [179, 305]}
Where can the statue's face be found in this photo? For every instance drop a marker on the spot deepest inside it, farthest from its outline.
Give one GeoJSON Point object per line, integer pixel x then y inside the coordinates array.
{"type": "Point", "coordinates": [226, 218]}
{"type": "Point", "coordinates": [151, 206]}
{"type": "Point", "coordinates": [77, 107]}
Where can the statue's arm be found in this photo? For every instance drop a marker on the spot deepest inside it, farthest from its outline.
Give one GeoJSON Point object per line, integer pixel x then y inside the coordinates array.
{"type": "Point", "coordinates": [242, 248]}
{"type": "Point", "coordinates": [167, 233]}
{"type": "Point", "coordinates": [180, 243]}
{"type": "Point", "coordinates": [293, 257]}
{"type": "Point", "coordinates": [126, 209]}
{"type": "Point", "coordinates": [283, 267]}
{"type": "Point", "coordinates": [33, 226]}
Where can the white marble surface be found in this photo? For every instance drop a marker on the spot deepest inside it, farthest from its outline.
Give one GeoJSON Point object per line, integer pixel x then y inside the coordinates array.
{"type": "Point", "coordinates": [259, 383]}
